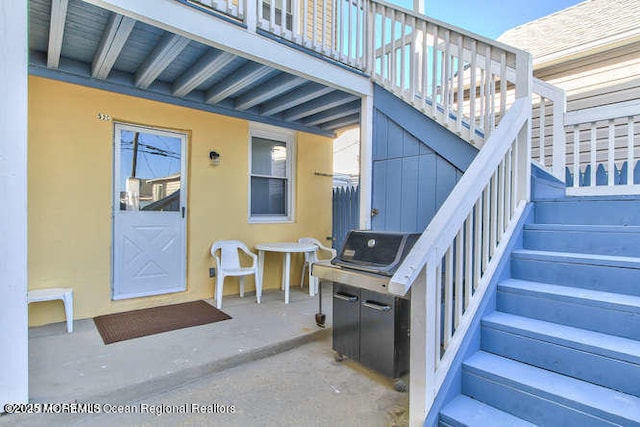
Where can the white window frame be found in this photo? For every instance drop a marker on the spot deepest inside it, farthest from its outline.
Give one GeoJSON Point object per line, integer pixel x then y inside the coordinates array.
{"type": "Point", "coordinates": [260, 130]}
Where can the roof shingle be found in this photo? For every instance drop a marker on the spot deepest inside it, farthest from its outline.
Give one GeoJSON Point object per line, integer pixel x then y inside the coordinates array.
{"type": "Point", "coordinates": [585, 23]}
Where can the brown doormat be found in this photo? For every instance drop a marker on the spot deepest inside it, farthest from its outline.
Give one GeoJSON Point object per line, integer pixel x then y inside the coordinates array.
{"type": "Point", "coordinates": [139, 323]}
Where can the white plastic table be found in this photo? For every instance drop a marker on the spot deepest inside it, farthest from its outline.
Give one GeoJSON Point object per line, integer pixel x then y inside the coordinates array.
{"type": "Point", "coordinates": [287, 248]}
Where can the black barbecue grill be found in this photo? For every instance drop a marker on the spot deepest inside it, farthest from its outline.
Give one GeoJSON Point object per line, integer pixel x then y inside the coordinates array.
{"type": "Point", "coordinates": [370, 325]}
{"type": "Point", "coordinates": [375, 252]}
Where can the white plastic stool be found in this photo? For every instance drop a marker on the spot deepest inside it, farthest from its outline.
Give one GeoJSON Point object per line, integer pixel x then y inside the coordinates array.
{"type": "Point", "coordinates": [51, 294]}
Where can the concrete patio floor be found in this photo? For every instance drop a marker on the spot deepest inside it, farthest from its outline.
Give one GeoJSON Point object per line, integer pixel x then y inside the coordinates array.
{"type": "Point", "coordinates": [270, 360]}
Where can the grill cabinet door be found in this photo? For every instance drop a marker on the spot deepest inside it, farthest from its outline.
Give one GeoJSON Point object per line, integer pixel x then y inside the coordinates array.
{"type": "Point", "coordinates": [346, 318]}
{"type": "Point", "coordinates": [377, 329]}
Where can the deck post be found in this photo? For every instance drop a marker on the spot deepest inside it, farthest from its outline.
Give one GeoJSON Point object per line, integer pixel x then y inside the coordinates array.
{"type": "Point", "coordinates": [366, 161]}
{"type": "Point", "coordinates": [422, 354]}
{"type": "Point", "coordinates": [13, 198]}
{"type": "Point", "coordinates": [559, 137]}
{"type": "Point", "coordinates": [524, 86]}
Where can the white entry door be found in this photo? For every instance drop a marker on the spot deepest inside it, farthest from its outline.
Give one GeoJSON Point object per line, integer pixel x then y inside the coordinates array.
{"type": "Point", "coordinates": [149, 194]}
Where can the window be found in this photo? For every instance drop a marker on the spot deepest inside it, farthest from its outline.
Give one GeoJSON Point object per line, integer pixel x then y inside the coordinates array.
{"type": "Point", "coordinates": [270, 187]}
{"type": "Point", "coordinates": [149, 168]}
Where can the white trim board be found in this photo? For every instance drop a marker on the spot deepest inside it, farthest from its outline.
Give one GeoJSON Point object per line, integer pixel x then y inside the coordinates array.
{"type": "Point", "coordinates": [14, 375]}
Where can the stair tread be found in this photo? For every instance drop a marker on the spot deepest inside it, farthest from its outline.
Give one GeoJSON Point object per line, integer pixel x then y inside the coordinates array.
{"type": "Point", "coordinates": [584, 228]}
{"type": "Point", "coordinates": [471, 412]}
{"type": "Point", "coordinates": [579, 258]}
{"type": "Point", "coordinates": [622, 302]}
{"type": "Point", "coordinates": [589, 341]}
{"type": "Point", "coordinates": [548, 385]}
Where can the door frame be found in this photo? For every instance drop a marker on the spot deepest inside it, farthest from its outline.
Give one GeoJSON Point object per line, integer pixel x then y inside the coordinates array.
{"type": "Point", "coordinates": [115, 201]}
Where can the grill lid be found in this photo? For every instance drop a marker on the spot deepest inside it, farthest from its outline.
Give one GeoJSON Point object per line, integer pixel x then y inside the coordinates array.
{"type": "Point", "coordinates": [374, 251]}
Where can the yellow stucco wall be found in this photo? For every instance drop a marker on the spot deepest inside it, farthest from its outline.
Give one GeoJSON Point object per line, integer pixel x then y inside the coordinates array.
{"type": "Point", "coordinates": [70, 184]}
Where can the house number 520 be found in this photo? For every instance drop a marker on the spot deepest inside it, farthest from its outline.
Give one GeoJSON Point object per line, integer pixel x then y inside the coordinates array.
{"type": "Point", "coordinates": [105, 117]}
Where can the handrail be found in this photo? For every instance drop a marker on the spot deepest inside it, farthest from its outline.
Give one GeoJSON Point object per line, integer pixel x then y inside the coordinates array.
{"type": "Point", "coordinates": [605, 112]}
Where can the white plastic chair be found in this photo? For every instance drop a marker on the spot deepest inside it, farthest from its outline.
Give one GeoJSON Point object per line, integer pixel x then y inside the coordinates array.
{"type": "Point", "coordinates": [52, 294]}
{"type": "Point", "coordinates": [311, 258]}
{"type": "Point", "coordinates": [228, 264]}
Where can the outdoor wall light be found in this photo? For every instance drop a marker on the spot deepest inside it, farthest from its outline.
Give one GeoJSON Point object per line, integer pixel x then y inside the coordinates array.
{"type": "Point", "coordinates": [214, 157]}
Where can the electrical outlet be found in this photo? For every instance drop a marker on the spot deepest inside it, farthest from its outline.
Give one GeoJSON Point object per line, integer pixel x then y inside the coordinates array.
{"type": "Point", "coordinates": [212, 272]}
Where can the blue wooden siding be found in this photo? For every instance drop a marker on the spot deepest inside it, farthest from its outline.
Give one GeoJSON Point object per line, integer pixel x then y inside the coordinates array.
{"type": "Point", "coordinates": [416, 164]}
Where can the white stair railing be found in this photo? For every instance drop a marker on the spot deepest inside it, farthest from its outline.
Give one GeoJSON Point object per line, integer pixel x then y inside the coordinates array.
{"type": "Point", "coordinates": [547, 133]}
{"type": "Point", "coordinates": [459, 79]}
{"type": "Point", "coordinates": [594, 151]}
{"type": "Point", "coordinates": [602, 152]}
{"type": "Point", "coordinates": [450, 266]}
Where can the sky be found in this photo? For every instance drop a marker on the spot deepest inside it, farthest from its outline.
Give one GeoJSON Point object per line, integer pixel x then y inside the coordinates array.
{"type": "Point", "coordinates": [489, 18]}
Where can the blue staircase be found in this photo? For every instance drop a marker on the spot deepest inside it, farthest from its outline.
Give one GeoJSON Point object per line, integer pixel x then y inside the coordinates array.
{"type": "Point", "coordinates": [562, 347]}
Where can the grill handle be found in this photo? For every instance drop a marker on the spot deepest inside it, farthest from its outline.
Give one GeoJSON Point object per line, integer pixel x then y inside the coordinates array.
{"type": "Point", "coordinates": [345, 297]}
{"type": "Point", "coordinates": [376, 306]}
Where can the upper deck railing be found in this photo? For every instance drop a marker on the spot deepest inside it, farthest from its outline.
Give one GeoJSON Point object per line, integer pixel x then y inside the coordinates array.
{"type": "Point", "coordinates": [463, 81]}
{"type": "Point", "coordinates": [594, 151]}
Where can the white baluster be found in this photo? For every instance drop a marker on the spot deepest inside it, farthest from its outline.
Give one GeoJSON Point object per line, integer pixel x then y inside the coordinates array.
{"type": "Point", "coordinates": [630, 151]}
{"type": "Point", "coordinates": [434, 73]}
{"type": "Point", "coordinates": [438, 310]}
{"type": "Point", "coordinates": [403, 68]}
{"type": "Point", "coordinates": [448, 296]}
{"type": "Point", "coordinates": [486, 224]}
{"type": "Point", "coordinates": [503, 84]}
{"type": "Point", "coordinates": [477, 243]}
{"type": "Point", "coordinates": [305, 22]}
{"type": "Point", "coordinates": [468, 260]}
{"type": "Point", "coordinates": [460, 111]}
{"type": "Point", "coordinates": [394, 52]}
{"type": "Point", "coordinates": [459, 278]}
{"type": "Point", "coordinates": [323, 42]}
{"type": "Point", "coordinates": [487, 92]}
{"type": "Point", "coordinates": [541, 131]}
{"type": "Point", "coordinates": [472, 92]}
{"type": "Point", "coordinates": [359, 27]}
{"type": "Point", "coordinates": [501, 203]}
{"type": "Point", "coordinates": [516, 177]}
{"type": "Point", "coordinates": [508, 208]}
{"type": "Point", "coordinates": [425, 64]}
{"type": "Point", "coordinates": [446, 76]}
{"type": "Point", "coordinates": [594, 161]}
{"type": "Point", "coordinates": [494, 213]}
{"type": "Point", "coordinates": [576, 157]}
{"type": "Point", "coordinates": [612, 153]}
{"type": "Point", "coordinates": [317, 43]}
